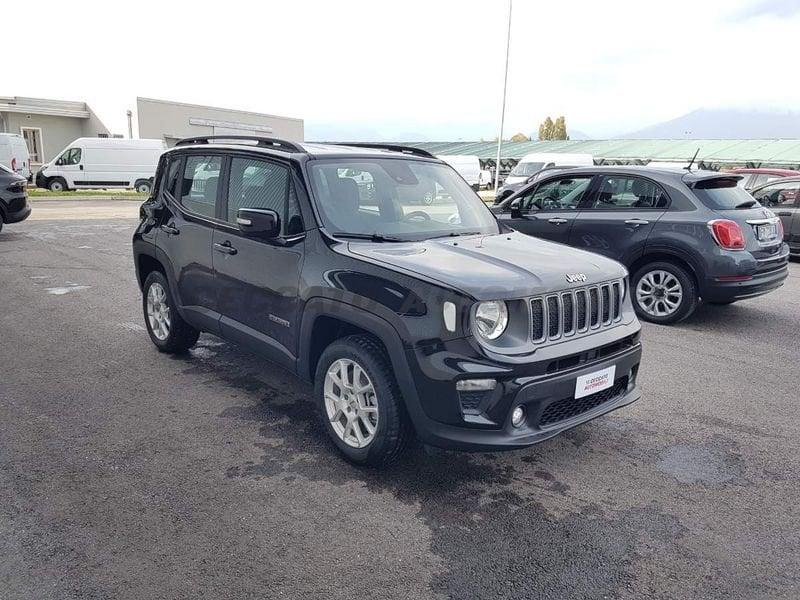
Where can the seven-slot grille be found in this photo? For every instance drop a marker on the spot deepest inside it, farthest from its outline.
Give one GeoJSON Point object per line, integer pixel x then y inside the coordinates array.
{"type": "Point", "coordinates": [578, 311]}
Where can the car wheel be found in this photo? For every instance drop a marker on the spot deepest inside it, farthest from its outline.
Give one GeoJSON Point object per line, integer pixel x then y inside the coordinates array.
{"type": "Point", "coordinates": [143, 187]}
{"type": "Point", "coordinates": [57, 185]}
{"type": "Point", "coordinates": [167, 329]}
{"type": "Point", "coordinates": [664, 293]}
{"type": "Point", "coordinates": [359, 401]}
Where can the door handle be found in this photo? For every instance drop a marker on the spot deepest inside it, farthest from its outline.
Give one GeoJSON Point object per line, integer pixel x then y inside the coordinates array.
{"type": "Point", "coordinates": [171, 230]}
{"type": "Point", "coordinates": [783, 214]}
{"type": "Point", "coordinates": [636, 222]}
{"type": "Point", "coordinates": [80, 167]}
{"type": "Point", "coordinates": [556, 220]}
{"type": "Point", "coordinates": [225, 248]}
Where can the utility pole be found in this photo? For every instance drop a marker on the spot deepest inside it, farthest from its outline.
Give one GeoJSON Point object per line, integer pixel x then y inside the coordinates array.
{"type": "Point", "coordinates": [503, 110]}
{"type": "Point", "coordinates": [130, 124]}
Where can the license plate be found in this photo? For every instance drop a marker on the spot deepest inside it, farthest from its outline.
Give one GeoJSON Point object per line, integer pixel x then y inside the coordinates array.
{"type": "Point", "coordinates": [766, 232]}
{"type": "Point", "coordinates": [598, 381]}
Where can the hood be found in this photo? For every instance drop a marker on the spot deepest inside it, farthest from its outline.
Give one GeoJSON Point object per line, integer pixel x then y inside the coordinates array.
{"type": "Point", "coordinates": [495, 267]}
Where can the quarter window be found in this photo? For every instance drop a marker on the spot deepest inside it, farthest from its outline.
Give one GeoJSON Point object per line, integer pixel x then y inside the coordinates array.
{"type": "Point", "coordinates": [171, 177]}
{"type": "Point", "coordinates": [199, 184]}
{"type": "Point", "coordinates": [629, 193]}
{"type": "Point", "coordinates": [558, 194]}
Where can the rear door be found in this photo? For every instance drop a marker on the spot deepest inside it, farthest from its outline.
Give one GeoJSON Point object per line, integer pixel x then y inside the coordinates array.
{"type": "Point", "coordinates": [186, 230]}
{"type": "Point", "coordinates": [617, 218]}
{"type": "Point", "coordinates": [548, 209]}
{"type": "Point", "coordinates": [258, 279]}
{"type": "Point", "coordinates": [782, 198]}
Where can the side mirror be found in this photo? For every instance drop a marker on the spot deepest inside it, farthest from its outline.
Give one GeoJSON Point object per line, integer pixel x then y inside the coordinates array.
{"type": "Point", "coordinates": [259, 223]}
{"type": "Point", "coordinates": [516, 208]}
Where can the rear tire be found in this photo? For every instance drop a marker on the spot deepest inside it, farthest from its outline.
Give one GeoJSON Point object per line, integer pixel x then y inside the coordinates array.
{"type": "Point", "coordinates": [143, 186]}
{"type": "Point", "coordinates": [663, 293]}
{"type": "Point", "coordinates": [167, 329]}
{"type": "Point", "coordinates": [57, 184]}
{"type": "Point", "coordinates": [339, 406]}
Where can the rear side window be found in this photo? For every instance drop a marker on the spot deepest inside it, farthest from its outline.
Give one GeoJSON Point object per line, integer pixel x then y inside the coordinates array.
{"type": "Point", "coordinates": [780, 194]}
{"type": "Point", "coordinates": [617, 192]}
{"type": "Point", "coordinates": [723, 194]}
{"type": "Point", "coordinates": [200, 183]}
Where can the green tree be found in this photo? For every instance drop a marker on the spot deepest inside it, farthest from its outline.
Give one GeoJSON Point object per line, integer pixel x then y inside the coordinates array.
{"type": "Point", "coordinates": [560, 129]}
{"type": "Point", "coordinates": [520, 137]}
{"type": "Point", "coordinates": [546, 129]}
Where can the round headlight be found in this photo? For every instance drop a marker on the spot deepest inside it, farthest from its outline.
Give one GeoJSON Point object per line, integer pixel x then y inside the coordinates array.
{"type": "Point", "coordinates": [491, 319]}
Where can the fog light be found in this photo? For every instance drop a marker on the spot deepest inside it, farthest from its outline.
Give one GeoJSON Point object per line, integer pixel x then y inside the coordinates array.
{"type": "Point", "coordinates": [518, 417]}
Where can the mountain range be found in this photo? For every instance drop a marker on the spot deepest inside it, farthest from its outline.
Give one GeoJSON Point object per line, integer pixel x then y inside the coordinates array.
{"type": "Point", "coordinates": [723, 124]}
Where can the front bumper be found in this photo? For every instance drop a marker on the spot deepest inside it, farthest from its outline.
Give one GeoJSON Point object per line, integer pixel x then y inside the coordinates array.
{"type": "Point", "coordinates": [547, 395]}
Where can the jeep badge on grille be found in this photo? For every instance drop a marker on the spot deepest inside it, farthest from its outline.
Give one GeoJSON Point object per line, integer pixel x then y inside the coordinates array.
{"type": "Point", "coordinates": [576, 277]}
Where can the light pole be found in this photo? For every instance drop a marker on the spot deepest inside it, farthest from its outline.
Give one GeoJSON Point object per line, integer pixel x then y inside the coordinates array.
{"type": "Point", "coordinates": [130, 124]}
{"type": "Point", "coordinates": [503, 110]}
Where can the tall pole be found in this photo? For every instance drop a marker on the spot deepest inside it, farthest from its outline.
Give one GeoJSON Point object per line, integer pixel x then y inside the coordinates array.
{"type": "Point", "coordinates": [130, 124]}
{"type": "Point", "coordinates": [503, 110]}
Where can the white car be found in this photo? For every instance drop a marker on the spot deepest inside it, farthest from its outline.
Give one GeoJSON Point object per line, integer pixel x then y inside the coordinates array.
{"type": "Point", "coordinates": [532, 163]}
{"type": "Point", "coordinates": [91, 163]}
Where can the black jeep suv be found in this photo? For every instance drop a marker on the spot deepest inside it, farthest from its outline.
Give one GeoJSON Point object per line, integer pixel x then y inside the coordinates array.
{"type": "Point", "coordinates": [684, 235]}
{"type": "Point", "coordinates": [407, 316]}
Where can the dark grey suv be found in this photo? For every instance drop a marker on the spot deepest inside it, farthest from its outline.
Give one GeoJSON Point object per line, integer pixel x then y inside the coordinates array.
{"type": "Point", "coordinates": [684, 235]}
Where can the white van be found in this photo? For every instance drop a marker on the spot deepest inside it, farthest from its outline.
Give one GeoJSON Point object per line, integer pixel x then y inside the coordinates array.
{"type": "Point", "coordinates": [14, 154]}
{"type": "Point", "coordinates": [468, 166]}
{"type": "Point", "coordinates": [103, 163]}
{"type": "Point", "coordinates": [533, 163]}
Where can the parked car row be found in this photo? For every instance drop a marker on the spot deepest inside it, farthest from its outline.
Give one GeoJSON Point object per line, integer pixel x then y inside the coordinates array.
{"type": "Point", "coordinates": [685, 236]}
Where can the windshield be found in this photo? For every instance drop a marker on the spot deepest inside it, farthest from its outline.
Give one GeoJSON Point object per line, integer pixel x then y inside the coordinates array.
{"type": "Point", "coordinates": [400, 198]}
{"type": "Point", "coordinates": [526, 168]}
{"type": "Point", "coordinates": [723, 194]}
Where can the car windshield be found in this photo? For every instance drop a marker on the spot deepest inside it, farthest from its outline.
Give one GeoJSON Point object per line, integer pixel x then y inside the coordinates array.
{"type": "Point", "coordinates": [5, 169]}
{"type": "Point", "coordinates": [526, 168]}
{"type": "Point", "coordinates": [395, 198]}
{"type": "Point", "coordinates": [723, 194]}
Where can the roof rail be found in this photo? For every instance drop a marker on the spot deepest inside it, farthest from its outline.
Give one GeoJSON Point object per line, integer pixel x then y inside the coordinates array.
{"type": "Point", "coordinates": [392, 147]}
{"type": "Point", "coordinates": [262, 142]}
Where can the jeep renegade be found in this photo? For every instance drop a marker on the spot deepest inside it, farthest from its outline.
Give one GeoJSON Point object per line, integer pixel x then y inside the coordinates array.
{"type": "Point", "coordinates": [409, 313]}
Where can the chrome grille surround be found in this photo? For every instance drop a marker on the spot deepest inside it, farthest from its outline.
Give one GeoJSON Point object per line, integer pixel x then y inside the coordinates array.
{"type": "Point", "coordinates": [575, 312]}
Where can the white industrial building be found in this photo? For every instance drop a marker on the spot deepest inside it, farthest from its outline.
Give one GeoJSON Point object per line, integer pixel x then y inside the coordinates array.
{"type": "Point", "coordinates": [171, 121]}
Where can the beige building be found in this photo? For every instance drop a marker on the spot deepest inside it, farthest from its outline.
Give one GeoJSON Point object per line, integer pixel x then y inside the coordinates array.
{"type": "Point", "coordinates": [48, 126]}
{"type": "Point", "coordinates": [171, 121]}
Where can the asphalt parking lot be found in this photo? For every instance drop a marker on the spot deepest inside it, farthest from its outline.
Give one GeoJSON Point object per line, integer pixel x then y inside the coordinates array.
{"type": "Point", "coordinates": [125, 473]}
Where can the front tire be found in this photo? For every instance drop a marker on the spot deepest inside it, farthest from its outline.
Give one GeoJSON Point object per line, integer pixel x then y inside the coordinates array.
{"type": "Point", "coordinates": [359, 401]}
{"type": "Point", "coordinates": [167, 329]}
{"type": "Point", "coordinates": [143, 186]}
{"type": "Point", "coordinates": [664, 293]}
{"type": "Point", "coordinates": [57, 184]}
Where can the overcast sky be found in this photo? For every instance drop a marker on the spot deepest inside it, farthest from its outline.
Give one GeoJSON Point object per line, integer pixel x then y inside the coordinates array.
{"type": "Point", "coordinates": [429, 68]}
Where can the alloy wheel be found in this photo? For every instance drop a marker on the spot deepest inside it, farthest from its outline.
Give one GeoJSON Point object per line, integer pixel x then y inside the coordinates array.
{"type": "Point", "coordinates": [158, 311]}
{"type": "Point", "coordinates": [351, 403]}
{"type": "Point", "coordinates": [659, 293]}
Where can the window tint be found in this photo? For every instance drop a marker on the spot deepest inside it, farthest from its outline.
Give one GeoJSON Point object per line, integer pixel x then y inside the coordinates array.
{"type": "Point", "coordinates": [558, 194]}
{"type": "Point", "coordinates": [629, 192]}
{"type": "Point", "coordinates": [258, 184]}
{"type": "Point", "coordinates": [199, 184]}
{"type": "Point", "coordinates": [780, 194]}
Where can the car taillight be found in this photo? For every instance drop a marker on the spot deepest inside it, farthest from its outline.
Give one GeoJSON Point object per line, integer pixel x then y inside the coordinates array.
{"type": "Point", "coordinates": [728, 234]}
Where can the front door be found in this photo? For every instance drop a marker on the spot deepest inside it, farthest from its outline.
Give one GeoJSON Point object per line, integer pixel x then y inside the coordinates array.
{"type": "Point", "coordinates": [70, 166]}
{"type": "Point", "coordinates": [618, 217]}
{"type": "Point", "coordinates": [548, 210]}
{"type": "Point", "coordinates": [258, 279]}
{"type": "Point", "coordinates": [186, 230]}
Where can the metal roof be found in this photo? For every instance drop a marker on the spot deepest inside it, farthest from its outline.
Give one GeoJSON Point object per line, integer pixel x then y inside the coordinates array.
{"type": "Point", "coordinates": [777, 152]}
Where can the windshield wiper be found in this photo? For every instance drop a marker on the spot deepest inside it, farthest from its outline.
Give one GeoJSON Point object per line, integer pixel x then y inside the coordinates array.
{"type": "Point", "coordinates": [372, 237]}
{"type": "Point", "coordinates": [746, 204]}
{"type": "Point", "coordinates": [454, 234]}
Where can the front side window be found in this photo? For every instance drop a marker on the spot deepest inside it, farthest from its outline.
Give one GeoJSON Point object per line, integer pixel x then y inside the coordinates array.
{"type": "Point", "coordinates": [260, 184]}
{"type": "Point", "coordinates": [617, 192]}
{"type": "Point", "coordinates": [200, 183]}
{"type": "Point", "coordinates": [558, 194]}
{"type": "Point", "coordinates": [70, 157]}
{"type": "Point", "coordinates": [781, 194]}
{"type": "Point", "coordinates": [402, 198]}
